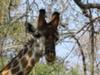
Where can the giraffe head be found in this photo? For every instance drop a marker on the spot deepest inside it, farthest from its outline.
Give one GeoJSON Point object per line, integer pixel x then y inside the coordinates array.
{"type": "Point", "coordinates": [49, 30]}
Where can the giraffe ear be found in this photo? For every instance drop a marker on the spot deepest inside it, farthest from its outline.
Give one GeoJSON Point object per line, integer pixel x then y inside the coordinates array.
{"type": "Point", "coordinates": [41, 19]}
{"type": "Point", "coordinates": [55, 19]}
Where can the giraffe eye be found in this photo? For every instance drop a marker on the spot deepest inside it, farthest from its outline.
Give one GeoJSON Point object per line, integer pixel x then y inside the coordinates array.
{"type": "Point", "coordinates": [37, 35]}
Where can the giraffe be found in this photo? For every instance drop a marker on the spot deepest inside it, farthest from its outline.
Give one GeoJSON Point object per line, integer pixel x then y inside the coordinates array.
{"type": "Point", "coordinates": [42, 42]}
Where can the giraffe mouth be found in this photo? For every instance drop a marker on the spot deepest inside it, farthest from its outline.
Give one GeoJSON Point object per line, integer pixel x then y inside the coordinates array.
{"type": "Point", "coordinates": [50, 56]}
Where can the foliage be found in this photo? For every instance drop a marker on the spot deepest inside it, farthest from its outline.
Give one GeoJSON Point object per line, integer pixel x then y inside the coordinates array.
{"type": "Point", "coordinates": [44, 69]}
{"type": "Point", "coordinates": [5, 7]}
{"type": "Point", "coordinates": [73, 71]}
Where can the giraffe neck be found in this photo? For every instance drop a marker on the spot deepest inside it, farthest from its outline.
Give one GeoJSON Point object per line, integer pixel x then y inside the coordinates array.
{"type": "Point", "coordinates": [25, 60]}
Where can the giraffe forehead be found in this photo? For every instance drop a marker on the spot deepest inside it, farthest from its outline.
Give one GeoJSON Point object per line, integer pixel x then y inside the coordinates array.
{"type": "Point", "coordinates": [39, 43]}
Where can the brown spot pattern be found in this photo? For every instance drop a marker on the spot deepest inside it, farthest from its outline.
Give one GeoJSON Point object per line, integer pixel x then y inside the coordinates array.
{"type": "Point", "coordinates": [20, 73]}
{"type": "Point", "coordinates": [30, 53]}
{"type": "Point", "coordinates": [24, 62]}
{"type": "Point", "coordinates": [15, 70]}
{"type": "Point", "coordinates": [14, 63]}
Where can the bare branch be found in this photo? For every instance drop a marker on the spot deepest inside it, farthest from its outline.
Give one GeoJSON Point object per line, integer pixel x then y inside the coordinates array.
{"type": "Point", "coordinates": [86, 6]}
{"type": "Point", "coordinates": [82, 53]}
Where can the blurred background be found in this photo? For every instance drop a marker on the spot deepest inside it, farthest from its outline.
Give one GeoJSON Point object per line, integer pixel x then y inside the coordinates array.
{"type": "Point", "coordinates": [78, 47]}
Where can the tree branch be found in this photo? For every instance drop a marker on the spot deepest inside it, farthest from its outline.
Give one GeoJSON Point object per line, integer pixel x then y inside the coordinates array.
{"type": "Point", "coordinates": [86, 6]}
{"type": "Point", "coordinates": [82, 53]}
